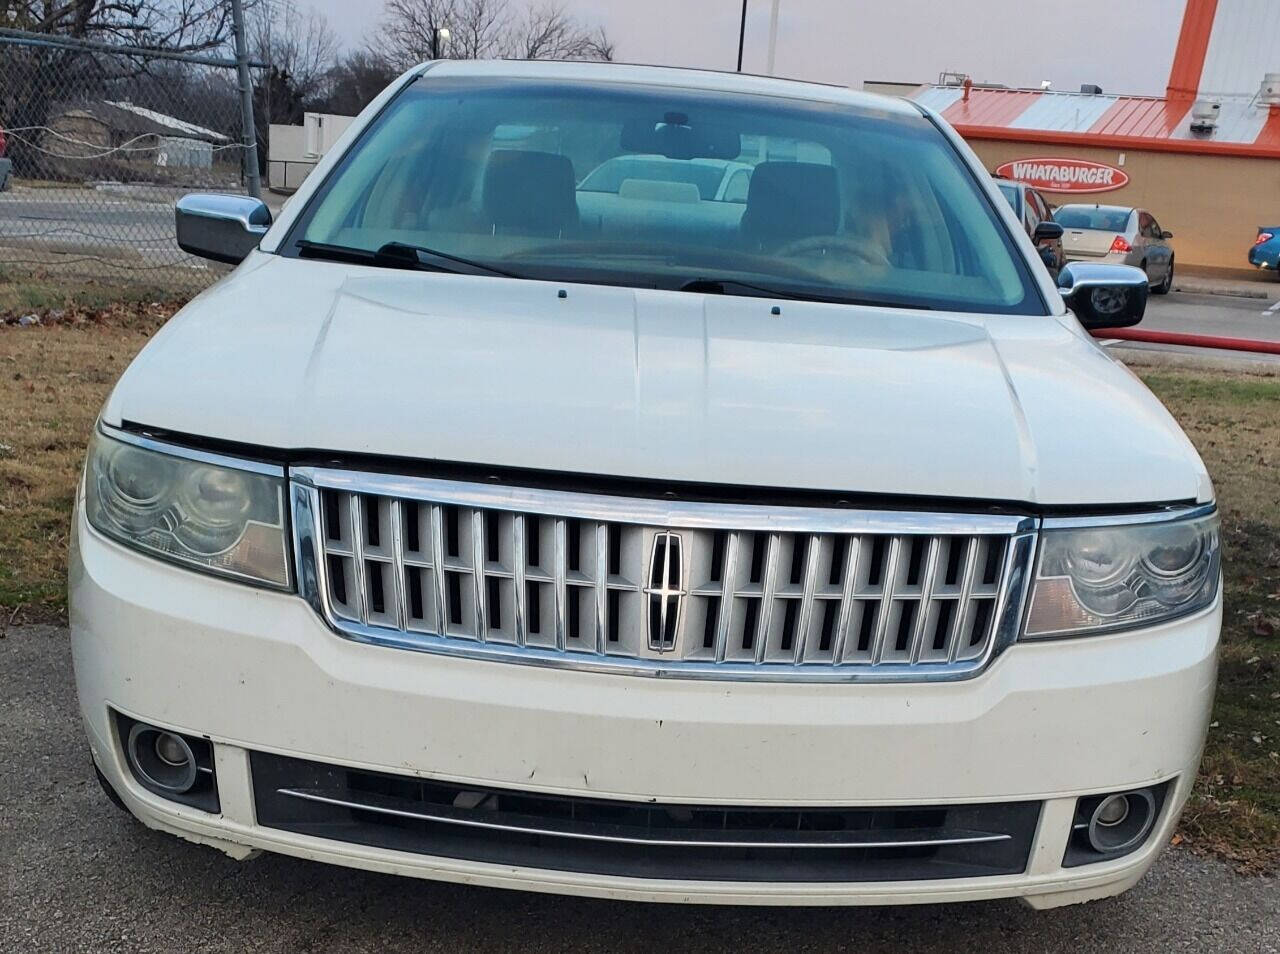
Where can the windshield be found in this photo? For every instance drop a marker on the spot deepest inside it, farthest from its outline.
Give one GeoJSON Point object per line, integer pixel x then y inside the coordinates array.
{"type": "Point", "coordinates": [1101, 218]}
{"type": "Point", "coordinates": [661, 187]}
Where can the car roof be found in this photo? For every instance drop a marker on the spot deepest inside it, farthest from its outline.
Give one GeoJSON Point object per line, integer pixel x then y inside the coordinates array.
{"type": "Point", "coordinates": [746, 83]}
{"type": "Point", "coordinates": [1101, 208]}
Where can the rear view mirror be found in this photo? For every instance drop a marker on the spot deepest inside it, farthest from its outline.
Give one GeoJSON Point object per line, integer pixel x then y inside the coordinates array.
{"type": "Point", "coordinates": [1166, 235]}
{"type": "Point", "coordinates": [1104, 296]}
{"type": "Point", "coordinates": [675, 137]}
{"type": "Point", "coordinates": [224, 228]}
{"type": "Point", "coordinates": [1047, 232]}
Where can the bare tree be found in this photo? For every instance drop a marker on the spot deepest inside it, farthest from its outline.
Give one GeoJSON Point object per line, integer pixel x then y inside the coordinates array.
{"type": "Point", "coordinates": [356, 79]}
{"type": "Point", "coordinates": [412, 31]}
{"type": "Point", "coordinates": [549, 33]}
{"type": "Point", "coordinates": [298, 45]}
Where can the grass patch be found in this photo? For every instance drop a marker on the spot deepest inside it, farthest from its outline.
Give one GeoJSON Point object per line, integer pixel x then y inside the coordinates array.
{"type": "Point", "coordinates": [1234, 421]}
{"type": "Point", "coordinates": [55, 376]}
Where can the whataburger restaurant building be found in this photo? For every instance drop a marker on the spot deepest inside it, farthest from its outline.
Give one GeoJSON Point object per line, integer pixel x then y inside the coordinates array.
{"type": "Point", "coordinates": [1211, 187]}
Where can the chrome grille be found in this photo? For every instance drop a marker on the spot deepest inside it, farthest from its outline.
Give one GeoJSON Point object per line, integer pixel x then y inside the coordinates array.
{"type": "Point", "coordinates": [689, 589]}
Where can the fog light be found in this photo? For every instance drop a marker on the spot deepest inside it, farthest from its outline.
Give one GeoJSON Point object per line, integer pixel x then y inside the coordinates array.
{"type": "Point", "coordinates": [1106, 827]}
{"type": "Point", "coordinates": [1112, 811]}
{"type": "Point", "coordinates": [161, 759]}
{"type": "Point", "coordinates": [1120, 822]}
{"type": "Point", "coordinates": [172, 750]}
{"type": "Point", "coordinates": [174, 765]}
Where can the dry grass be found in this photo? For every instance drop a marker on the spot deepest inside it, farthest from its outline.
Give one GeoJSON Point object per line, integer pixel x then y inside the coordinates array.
{"type": "Point", "coordinates": [1234, 420]}
{"type": "Point", "coordinates": [54, 378]}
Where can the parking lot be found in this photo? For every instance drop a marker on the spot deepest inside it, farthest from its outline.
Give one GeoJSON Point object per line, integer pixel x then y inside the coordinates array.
{"type": "Point", "coordinates": [76, 874]}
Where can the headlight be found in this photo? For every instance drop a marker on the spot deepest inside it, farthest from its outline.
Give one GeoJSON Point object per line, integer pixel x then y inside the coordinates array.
{"type": "Point", "coordinates": [1106, 578]}
{"type": "Point", "coordinates": [214, 517]}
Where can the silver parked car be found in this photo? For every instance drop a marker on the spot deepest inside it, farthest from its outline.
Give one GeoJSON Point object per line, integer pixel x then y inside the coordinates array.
{"type": "Point", "coordinates": [1126, 236]}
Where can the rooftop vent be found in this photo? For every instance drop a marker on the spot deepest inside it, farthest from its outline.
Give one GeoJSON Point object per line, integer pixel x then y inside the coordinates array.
{"type": "Point", "coordinates": [1091, 88]}
{"type": "Point", "coordinates": [1269, 91]}
{"type": "Point", "coordinates": [1204, 116]}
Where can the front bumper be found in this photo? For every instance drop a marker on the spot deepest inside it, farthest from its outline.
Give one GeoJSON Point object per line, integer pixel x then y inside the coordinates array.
{"type": "Point", "coordinates": [256, 671]}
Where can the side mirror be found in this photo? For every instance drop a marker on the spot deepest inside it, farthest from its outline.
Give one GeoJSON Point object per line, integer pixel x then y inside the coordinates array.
{"type": "Point", "coordinates": [1047, 232]}
{"type": "Point", "coordinates": [1166, 235]}
{"type": "Point", "coordinates": [224, 228]}
{"type": "Point", "coordinates": [1104, 296]}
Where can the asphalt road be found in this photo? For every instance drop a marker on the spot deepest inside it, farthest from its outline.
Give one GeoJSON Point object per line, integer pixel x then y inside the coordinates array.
{"type": "Point", "coordinates": [78, 875]}
{"type": "Point", "coordinates": [1228, 316]}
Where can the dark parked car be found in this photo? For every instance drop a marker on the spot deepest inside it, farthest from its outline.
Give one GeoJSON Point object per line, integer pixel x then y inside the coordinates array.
{"type": "Point", "coordinates": [1033, 210]}
{"type": "Point", "coordinates": [1266, 248]}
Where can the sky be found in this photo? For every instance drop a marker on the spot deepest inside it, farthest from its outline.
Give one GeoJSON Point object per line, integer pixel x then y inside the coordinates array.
{"type": "Point", "coordinates": [851, 41]}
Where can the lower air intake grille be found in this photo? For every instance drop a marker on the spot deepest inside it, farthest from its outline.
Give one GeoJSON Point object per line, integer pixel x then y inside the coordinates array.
{"type": "Point", "coordinates": [696, 589]}
{"type": "Point", "coordinates": [639, 839]}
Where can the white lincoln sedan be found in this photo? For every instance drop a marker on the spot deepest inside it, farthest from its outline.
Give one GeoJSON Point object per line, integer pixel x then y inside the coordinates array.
{"type": "Point", "coordinates": [646, 544]}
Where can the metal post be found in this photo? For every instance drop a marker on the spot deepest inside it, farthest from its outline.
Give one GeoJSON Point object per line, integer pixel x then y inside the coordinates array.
{"type": "Point", "coordinates": [249, 131]}
{"type": "Point", "coordinates": [742, 33]}
{"type": "Point", "coordinates": [773, 35]}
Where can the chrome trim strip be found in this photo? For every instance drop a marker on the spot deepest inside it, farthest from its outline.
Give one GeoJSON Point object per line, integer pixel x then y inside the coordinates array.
{"type": "Point", "coordinates": [845, 620]}
{"type": "Point", "coordinates": [517, 578]}
{"type": "Point", "coordinates": [806, 600]}
{"type": "Point", "coordinates": [190, 453]}
{"type": "Point", "coordinates": [926, 599]}
{"type": "Point", "coordinates": [888, 588]}
{"type": "Point", "coordinates": [663, 513]}
{"type": "Point", "coordinates": [381, 806]}
{"type": "Point", "coordinates": [437, 562]}
{"type": "Point", "coordinates": [958, 623]}
{"type": "Point", "coordinates": [728, 574]}
{"type": "Point", "coordinates": [768, 590]}
{"type": "Point", "coordinates": [1130, 519]}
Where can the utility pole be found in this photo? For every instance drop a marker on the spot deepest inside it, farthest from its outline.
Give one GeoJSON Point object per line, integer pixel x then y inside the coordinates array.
{"type": "Point", "coordinates": [773, 35]}
{"type": "Point", "coordinates": [249, 133]}
{"type": "Point", "coordinates": [742, 33]}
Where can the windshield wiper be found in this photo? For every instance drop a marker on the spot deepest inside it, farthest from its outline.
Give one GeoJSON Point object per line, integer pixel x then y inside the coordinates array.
{"type": "Point", "coordinates": [401, 255]}
{"type": "Point", "coordinates": [731, 286]}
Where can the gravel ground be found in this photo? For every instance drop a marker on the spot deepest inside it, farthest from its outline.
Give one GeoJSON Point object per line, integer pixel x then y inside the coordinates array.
{"type": "Point", "coordinates": [78, 875]}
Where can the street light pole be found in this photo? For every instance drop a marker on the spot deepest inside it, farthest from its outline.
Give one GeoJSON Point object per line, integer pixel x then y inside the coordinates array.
{"type": "Point", "coordinates": [742, 33]}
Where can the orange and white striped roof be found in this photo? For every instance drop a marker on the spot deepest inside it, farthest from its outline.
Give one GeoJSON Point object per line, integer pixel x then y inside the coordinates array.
{"type": "Point", "coordinates": [1224, 49]}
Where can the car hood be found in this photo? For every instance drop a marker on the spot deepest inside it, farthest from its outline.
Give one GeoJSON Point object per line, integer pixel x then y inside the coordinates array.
{"type": "Point", "coordinates": [305, 355]}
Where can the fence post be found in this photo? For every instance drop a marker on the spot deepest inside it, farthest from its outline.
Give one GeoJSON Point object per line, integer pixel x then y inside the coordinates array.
{"type": "Point", "coordinates": [249, 132]}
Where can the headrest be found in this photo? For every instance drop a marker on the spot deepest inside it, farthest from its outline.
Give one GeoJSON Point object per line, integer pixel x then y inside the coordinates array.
{"type": "Point", "coordinates": [791, 200]}
{"type": "Point", "coordinates": [530, 192]}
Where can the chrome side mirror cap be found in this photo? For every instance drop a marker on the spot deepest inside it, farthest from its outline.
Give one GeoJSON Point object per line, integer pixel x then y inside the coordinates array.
{"type": "Point", "coordinates": [1104, 296]}
{"type": "Point", "coordinates": [224, 228]}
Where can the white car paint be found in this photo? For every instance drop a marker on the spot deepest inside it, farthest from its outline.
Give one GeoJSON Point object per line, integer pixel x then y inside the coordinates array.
{"type": "Point", "coordinates": [295, 354]}
{"type": "Point", "coordinates": [307, 356]}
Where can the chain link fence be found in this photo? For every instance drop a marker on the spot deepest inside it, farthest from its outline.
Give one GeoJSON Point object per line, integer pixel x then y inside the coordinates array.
{"type": "Point", "coordinates": [100, 142]}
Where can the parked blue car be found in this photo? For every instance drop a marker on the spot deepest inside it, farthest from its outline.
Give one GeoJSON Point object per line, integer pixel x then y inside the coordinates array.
{"type": "Point", "coordinates": [1266, 248]}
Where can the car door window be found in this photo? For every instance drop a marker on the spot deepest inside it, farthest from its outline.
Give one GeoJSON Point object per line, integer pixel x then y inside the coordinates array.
{"type": "Point", "coordinates": [1157, 233]}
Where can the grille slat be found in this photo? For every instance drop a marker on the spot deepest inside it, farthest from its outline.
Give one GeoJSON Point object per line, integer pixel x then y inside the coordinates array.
{"type": "Point", "coordinates": [448, 572]}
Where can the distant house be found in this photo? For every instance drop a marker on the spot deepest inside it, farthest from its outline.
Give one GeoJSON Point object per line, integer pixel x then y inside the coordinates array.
{"type": "Point", "coordinates": [126, 141]}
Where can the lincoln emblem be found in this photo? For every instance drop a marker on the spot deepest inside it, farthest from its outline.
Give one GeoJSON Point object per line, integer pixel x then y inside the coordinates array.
{"type": "Point", "coordinates": [665, 592]}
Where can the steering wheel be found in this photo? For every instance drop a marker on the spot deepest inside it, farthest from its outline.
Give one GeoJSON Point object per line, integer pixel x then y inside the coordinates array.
{"type": "Point", "coordinates": [819, 245]}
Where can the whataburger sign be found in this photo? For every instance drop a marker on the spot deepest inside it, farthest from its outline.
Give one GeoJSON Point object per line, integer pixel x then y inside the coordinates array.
{"type": "Point", "coordinates": [1064, 175]}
